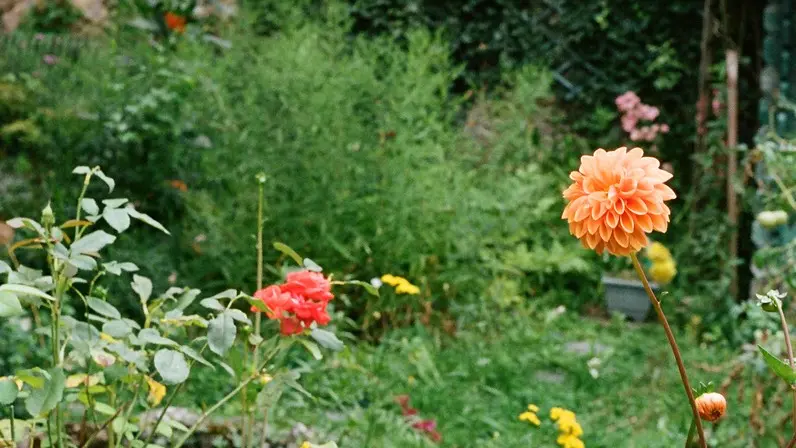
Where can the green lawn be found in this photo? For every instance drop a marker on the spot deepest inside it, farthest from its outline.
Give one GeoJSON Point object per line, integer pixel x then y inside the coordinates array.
{"type": "Point", "coordinates": [477, 383]}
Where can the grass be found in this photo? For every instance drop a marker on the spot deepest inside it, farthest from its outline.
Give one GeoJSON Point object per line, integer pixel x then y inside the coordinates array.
{"type": "Point", "coordinates": [477, 383]}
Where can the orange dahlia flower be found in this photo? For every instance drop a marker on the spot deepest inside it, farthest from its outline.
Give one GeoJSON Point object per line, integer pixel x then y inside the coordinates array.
{"type": "Point", "coordinates": [711, 406]}
{"type": "Point", "coordinates": [617, 198]}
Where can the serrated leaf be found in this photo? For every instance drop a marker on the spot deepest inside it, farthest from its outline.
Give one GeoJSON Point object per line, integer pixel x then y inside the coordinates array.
{"type": "Point", "coordinates": [9, 305]}
{"type": "Point", "coordinates": [221, 333]}
{"type": "Point", "coordinates": [108, 181]}
{"type": "Point", "coordinates": [142, 286]}
{"type": "Point", "coordinates": [103, 308]}
{"type": "Point", "coordinates": [777, 366]}
{"type": "Point", "coordinates": [93, 242]}
{"type": "Point", "coordinates": [171, 366]}
{"type": "Point", "coordinates": [22, 290]}
{"type": "Point", "coordinates": [285, 249]}
{"type": "Point", "coordinates": [312, 266]}
{"type": "Point", "coordinates": [238, 315]}
{"type": "Point", "coordinates": [327, 339]}
{"type": "Point", "coordinates": [81, 170]}
{"type": "Point", "coordinates": [41, 401]}
{"type": "Point", "coordinates": [83, 262]}
{"type": "Point", "coordinates": [8, 391]}
{"type": "Point", "coordinates": [89, 205]}
{"type": "Point", "coordinates": [114, 203]}
{"type": "Point", "coordinates": [196, 356]}
{"type": "Point", "coordinates": [152, 336]}
{"type": "Point", "coordinates": [312, 348]}
{"type": "Point", "coordinates": [146, 219]}
{"type": "Point", "coordinates": [212, 304]}
{"type": "Point", "coordinates": [116, 218]}
{"type": "Point", "coordinates": [116, 328]}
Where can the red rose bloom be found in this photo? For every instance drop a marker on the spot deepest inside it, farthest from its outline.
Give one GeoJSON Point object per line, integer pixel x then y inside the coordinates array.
{"type": "Point", "coordinates": [309, 285]}
{"type": "Point", "coordinates": [290, 326]}
{"type": "Point", "coordinates": [277, 301]}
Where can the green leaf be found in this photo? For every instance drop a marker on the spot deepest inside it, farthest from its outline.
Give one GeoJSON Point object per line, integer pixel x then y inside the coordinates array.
{"type": "Point", "coordinates": [196, 356]}
{"type": "Point", "coordinates": [146, 219]}
{"type": "Point", "coordinates": [226, 294]}
{"type": "Point", "coordinates": [327, 339]}
{"type": "Point", "coordinates": [81, 170]}
{"type": "Point", "coordinates": [285, 249]}
{"type": "Point", "coordinates": [32, 377]}
{"type": "Point", "coordinates": [779, 368]}
{"type": "Point", "coordinates": [312, 266]}
{"type": "Point", "coordinates": [142, 286]}
{"type": "Point", "coordinates": [83, 262]}
{"type": "Point", "coordinates": [103, 408]}
{"type": "Point", "coordinates": [212, 304]}
{"type": "Point", "coordinates": [312, 348]}
{"type": "Point", "coordinates": [18, 223]}
{"type": "Point", "coordinates": [291, 381]}
{"type": "Point", "coordinates": [9, 305]}
{"type": "Point", "coordinates": [116, 328]}
{"type": "Point", "coordinates": [152, 336]}
{"type": "Point", "coordinates": [221, 334]}
{"type": "Point", "coordinates": [116, 218]}
{"type": "Point", "coordinates": [257, 303]}
{"type": "Point", "coordinates": [103, 308]}
{"type": "Point", "coordinates": [41, 401]}
{"type": "Point", "coordinates": [114, 203]}
{"type": "Point", "coordinates": [116, 268]}
{"type": "Point", "coordinates": [187, 298]}
{"type": "Point", "coordinates": [26, 290]}
{"type": "Point", "coordinates": [227, 368]}
{"type": "Point", "coordinates": [171, 366]}
{"type": "Point", "coordinates": [372, 290]}
{"type": "Point", "coordinates": [89, 205]}
{"type": "Point", "coordinates": [238, 315]}
{"type": "Point", "coordinates": [8, 391]}
{"type": "Point", "coordinates": [108, 181]}
{"type": "Point", "coordinates": [93, 242]}
{"type": "Point", "coordinates": [272, 391]}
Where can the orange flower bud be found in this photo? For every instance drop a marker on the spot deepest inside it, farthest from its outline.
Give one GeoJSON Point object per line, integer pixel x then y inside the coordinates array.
{"type": "Point", "coordinates": [711, 406]}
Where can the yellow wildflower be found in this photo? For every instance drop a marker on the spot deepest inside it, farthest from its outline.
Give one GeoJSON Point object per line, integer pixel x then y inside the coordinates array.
{"type": "Point", "coordinates": [156, 391]}
{"type": "Point", "coordinates": [658, 252]}
{"type": "Point", "coordinates": [663, 272]}
{"type": "Point", "coordinates": [530, 417]}
{"type": "Point", "coordinates": [533, 408]}
{"type": "Point", "coordinates": [401, 285]}
{"type": "Point", "coordinates": [390, 279]}
{"type": "Point", "coordinates": [570, 441]}
{"type": "Point", "coordinates": [306, 445]}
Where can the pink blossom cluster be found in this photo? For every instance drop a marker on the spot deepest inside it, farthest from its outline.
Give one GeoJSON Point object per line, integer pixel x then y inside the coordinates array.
{"type": "Point", "coordinates": [633, 112]}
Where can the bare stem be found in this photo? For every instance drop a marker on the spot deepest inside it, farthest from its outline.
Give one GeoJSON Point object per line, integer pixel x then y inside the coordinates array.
{"type": "Point", "coordinates": [789, 347]}
{"type": "Point", "coordinates": [675, 350]}
{"type": "Point", "coordinates": [104, 425]}
{"type": "Point", "coordinates": [792, 442]}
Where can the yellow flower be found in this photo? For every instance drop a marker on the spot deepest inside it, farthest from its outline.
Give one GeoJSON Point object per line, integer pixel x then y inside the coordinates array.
{"type": "Point", "coordinates": [401, 285]}
{"type": "Point", "coordinates": [156, 391]}
{"type": "Point", "coordinates": [306, 445]}
{"type": "Point", "coordinates": [570, 441]}
{"type": "Point", "coordinates": [390, 279]}
{"type": "Point", "coordinates": [533, 408]}
{"type": "Point", "coordinates": [658, 252]}
{"type": "Point", "coordinates": [663, 272]}
{"type": "Point", "coordinates": [530, 417]}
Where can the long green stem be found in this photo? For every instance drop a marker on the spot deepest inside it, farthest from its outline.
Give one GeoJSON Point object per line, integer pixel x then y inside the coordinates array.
{"type": "Point", "coordinates": [13, 434]}
{"type": "Point", "coordinates": [792, 363]}
{"type": "Point", "coordinates": [86, 181]}
{"type": "Point", "coordinates": [248, 417]}
{"type": "Point", "coordinates": [129, 412]}
{"type": "Point", "coordinates": [690, 436]}
{"type": "Point", "coordinates": [49, 431]}
{"type": "Point", "coordinates": [675, 350]}
{"type": "Point", "coordinates": [98, 431]}
{"type": "Point", "coordinates": [226, 398]}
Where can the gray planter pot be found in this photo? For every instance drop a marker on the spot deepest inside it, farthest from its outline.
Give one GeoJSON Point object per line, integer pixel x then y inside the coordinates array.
{"type": "Point", "coordinates": [627, 297]}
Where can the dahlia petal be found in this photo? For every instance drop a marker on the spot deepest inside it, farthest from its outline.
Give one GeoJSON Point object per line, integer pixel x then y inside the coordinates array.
{"type": "Point", "coordinates": [621, 237]}
{"type": "Point", "coordinates": [627, 187]}
{"type": "Point", "coordinates": [645, 222]}
{"type": "Point", "coordinates": [636, 206]}
{"type": "Point", "coordinates": [582, 212]}
{"type": "Point", "coordinates": [645, 186]}
{"type": "Point", "coordinates": [663, 176]}
{"type": "Point", "coordinates": [612, 219]}
{"type": "Point", "coordinates": [576, 176]}
{"type": "Point", "coordinates": [578, 229]}
{"type": "Point", "coordinates": [605, 232]}
{"type": "Point", "coordinates": [638, 239]}
{"type": "Point", "coordinates": [635, 154]}
{"type": "Point", "coordinates": [665, 192]}
{"type": "Point", "coordinates": [654, 207]}
{"type": "Point", "coordinates": [586, 165]}
{"type": "Point", "coordinates": [592, 240]}
{"type": "Point", "coordinates": [592, 226]}
{"type": "Point", "coordinates": [626, 221]}
{"type": "Point", "coordinates": [619, 206]}
{"type": "Point", "coordinates": [659, 223]}
{"type": "Point", "coordinates": [567, 211]}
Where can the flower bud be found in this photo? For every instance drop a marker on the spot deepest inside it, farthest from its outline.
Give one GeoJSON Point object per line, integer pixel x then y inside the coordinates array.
{"type": "Point", "coordinates": [711, 406]}
{"type": "Point", "coordinates": [47, 216]}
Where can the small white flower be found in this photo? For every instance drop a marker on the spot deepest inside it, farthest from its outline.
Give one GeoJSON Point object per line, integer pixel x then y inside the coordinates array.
{"type": "Point", "coordinates": [376, 282]}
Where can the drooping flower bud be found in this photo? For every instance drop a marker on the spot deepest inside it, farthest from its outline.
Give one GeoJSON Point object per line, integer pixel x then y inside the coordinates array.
{"type": "Point", "coordinates": [47, 216]}
{"type": "Point", "coordinates": [711, 406]}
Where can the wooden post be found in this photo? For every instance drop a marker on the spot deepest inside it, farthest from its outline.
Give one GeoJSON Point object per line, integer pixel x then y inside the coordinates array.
{"type": "Point", "coordinates": [732, 164]}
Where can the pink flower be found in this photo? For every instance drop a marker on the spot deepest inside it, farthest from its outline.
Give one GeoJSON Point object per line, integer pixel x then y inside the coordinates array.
{"type": "Point", "coordinates": [629, 122]}
{"type": "Point", "coordinates": [664, 128]}
{"type": "Point", "coordinates": [627, 101]}
{"type": "Point", "coordinates": [648, 113]}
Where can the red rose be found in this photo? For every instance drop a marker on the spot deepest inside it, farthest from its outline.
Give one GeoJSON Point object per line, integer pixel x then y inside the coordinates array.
{"type": "Point", "coordinates": [309, 285]}
{"type": "Point", "coordinates": [277, 301]}
{"type": "Point", "coordinates": [290, 326]}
